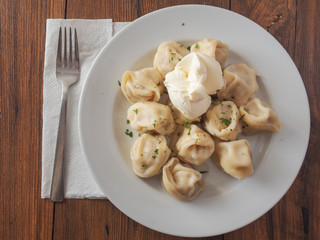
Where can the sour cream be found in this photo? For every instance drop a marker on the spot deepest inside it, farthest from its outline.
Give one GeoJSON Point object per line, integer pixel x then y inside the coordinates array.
{"type": "Point", "coordinates": [189, 85]}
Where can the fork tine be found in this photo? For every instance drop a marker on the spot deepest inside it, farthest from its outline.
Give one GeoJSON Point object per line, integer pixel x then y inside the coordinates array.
{"type": "Point", "coordinates": [70, 48]}
{"type": "Point", "coordinates": [76, 50]}
{"type": "Point", "coordinates": [59, 49]}
{"type": "Point", "coordinates": [65, 47]}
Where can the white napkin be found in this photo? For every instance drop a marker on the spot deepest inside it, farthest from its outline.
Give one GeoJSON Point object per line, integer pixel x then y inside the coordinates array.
{"type": "Point", "coordinates": [92, 36]}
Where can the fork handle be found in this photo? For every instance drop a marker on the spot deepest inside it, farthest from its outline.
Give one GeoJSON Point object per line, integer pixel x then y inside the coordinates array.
{"type": "Point", "coordinates": [57, 184]}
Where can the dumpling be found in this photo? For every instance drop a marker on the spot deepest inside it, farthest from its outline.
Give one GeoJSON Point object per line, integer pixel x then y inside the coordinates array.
{"type": "Point", "coordinates": [151, 116]}
{"type": "Point", "coordinates": [257, 116]}
{"type": "Point", "coordinates": [192, 144]}
{"type": "Point", "coordinates": [241, 83]}
{"type": "Point", "coordinates": [148, 155]}
{"type": "Point", "coordinates": [181, 181]}
{"type": "Point", "coordinates": [178, 117]}
{"type": "Point", "coordinates": [222, 120]}
{"type": "Point", "coordinates": [168, 55]}
{"type": "Point", "coordinates": [234, 158]}
{"type": "Point", "coordinates": [143, 85]}
{"type": "Point", "coordinates": [212, 48]}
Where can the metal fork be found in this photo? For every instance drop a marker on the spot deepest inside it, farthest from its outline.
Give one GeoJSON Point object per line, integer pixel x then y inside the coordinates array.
{"type": "Point", "coordinates": [67, 72]}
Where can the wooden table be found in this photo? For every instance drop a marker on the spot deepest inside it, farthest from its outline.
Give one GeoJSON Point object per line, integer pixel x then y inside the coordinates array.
{"type": "Point", "coordinates": [24, 215]}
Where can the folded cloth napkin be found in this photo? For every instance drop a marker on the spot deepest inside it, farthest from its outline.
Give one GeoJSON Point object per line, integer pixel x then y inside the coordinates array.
{"type": "Point", "coordinates": [92, 36]}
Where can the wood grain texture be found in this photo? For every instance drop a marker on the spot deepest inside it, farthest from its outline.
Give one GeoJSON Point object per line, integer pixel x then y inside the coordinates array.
{"type": "Point", "coordinates": [306, 189]}
{"type": "Point", "coordinates": [22, 36]}
{"type": "Point", "coordinates": [23, 215]}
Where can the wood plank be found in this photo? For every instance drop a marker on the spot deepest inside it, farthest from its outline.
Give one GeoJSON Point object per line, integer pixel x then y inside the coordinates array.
{"type": "Point", "coordinates": [120, 10]}
{"type": "Point", "coordinates": [22, 37]}
{"type": "Point", "coordinates": [277, 17]}
{"type": "Point", "coordinates": [304, 211]}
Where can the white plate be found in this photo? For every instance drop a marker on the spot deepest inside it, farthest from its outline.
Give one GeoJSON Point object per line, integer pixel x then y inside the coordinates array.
{"type": "Point", "coordinates": [226, 204]}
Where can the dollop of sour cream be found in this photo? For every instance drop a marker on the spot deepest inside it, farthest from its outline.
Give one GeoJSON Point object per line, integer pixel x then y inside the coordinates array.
{"type": "Point", "coordinates": [190, 84]}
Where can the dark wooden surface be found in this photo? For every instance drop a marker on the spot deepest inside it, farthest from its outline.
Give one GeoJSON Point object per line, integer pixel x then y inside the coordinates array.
{"type": "Point", "coordinates": [24, 215]}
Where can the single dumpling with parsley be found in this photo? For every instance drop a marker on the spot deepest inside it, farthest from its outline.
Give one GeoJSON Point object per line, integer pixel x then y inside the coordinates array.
{"type": "Point", "coordinates": [257, 116]}
{"type": "Point", "coordinates": [168, 55]}
{"type": "Point", "coordinates": [192, 144]}
{"type": "Point", "coordinates": [234, 158]}
{"type": "Point", "coordinates": [213, 48]}
{"type": "Point", "coordinates": [143, 85]}
{"type": "Point", "coordinates": [241, 83]}
{"type": "Point", "coordinates": [222, 120]}
{"type": "Point", "coordinates": [151, 117]}
{"type": "Point", "coordinates": [181, 181]}
{"type": "Point", "coordinates": [148, 155]}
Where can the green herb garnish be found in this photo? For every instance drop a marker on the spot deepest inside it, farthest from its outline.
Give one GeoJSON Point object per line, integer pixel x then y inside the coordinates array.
{"type": "Point", "coordinates": [129, 133]}
{"type": "Point", "coordinates": [225, 121]}
{"type": "Point", "coordinates": [197, 45]}
{"type": "Point", "coordinates": [151, 133]}
{"type": "Point", "coordinates": [119, 83]}
{"type": "Point", "coordinates": [136, 111]}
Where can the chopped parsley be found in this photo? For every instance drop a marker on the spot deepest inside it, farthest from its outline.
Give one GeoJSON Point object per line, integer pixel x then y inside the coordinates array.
{"type": "Point", "coordinates": [151, 133]}
{"type": "Point", "coordinates": [182, 24]}
{"type": "Point", "coordinates": [218, 90]}
{"type": "Point", "coordinates": [225, 121]}
{"type": "Point", "coordinates": [202, 172]}
{"type": "Point", "coordinates": [128, 121]}
{"type": "Point", "coordinates": [189, 48]}
{"type": "Point", "coordinates": [244, 125]}
{"type": "Point", "coordinates": [154, 157]}
{"type": "Point", "coordinates": [241, 117]}
{"type": "Point", "coordinates": [187, 126]}
{"type": "Point", "coordinates": [135, 110]}
{"type": "Point", "coordinates": [143, 165]}
{"type": "Point", "coordinates": [129, 133]}
{"type": "Point", "coordinates": [197, 45]}
{"type": "Point", "coordinates": [119, 83]}
{"type": "Point", "coordinates": [156, 151]}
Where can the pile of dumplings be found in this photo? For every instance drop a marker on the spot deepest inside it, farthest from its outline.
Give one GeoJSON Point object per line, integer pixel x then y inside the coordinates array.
{"type": "Point", "coordinates": [170, 144]}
